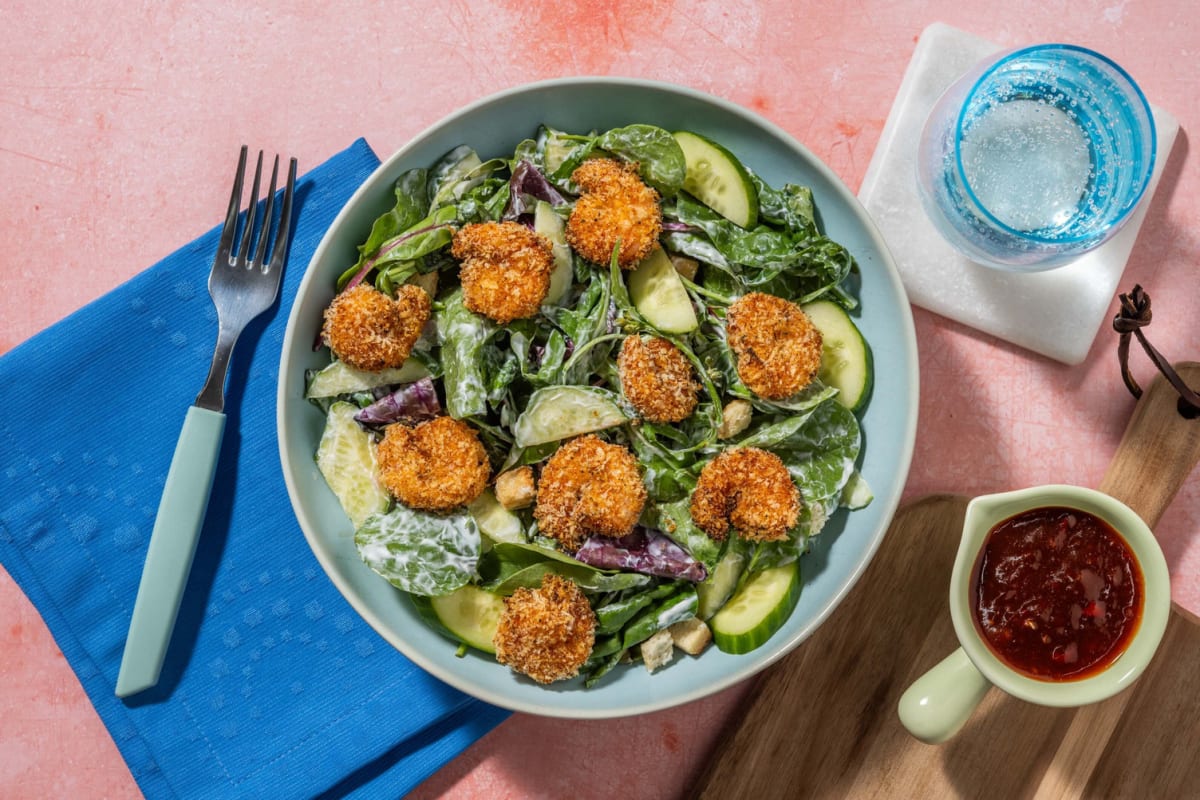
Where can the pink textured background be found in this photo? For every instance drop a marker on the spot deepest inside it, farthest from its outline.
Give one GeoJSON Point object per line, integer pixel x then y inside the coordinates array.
{"type": "Point", "coordinates": [117, 122]}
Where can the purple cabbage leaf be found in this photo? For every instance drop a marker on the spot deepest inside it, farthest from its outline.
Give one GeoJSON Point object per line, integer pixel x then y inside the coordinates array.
{"type": "Point", "coordinates": [409, 404]}
{"type": "Point", "coordinates": [645, 550]}
{"type": "Point", "coordinates": [526, 186]}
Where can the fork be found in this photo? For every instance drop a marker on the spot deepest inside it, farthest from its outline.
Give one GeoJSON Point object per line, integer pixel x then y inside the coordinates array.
{"type": "Point", "coordinates": [242, 286]}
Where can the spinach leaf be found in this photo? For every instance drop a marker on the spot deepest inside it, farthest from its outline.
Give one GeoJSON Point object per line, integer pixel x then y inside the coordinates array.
{"type": "Point", "coordinates": [675, 607]}
{"type": "Point", "coordinates": [666, 473]}
{"type": "Point", "coordinates": [540, 349]}
{"type": "Point", "coordinates": [561, 152]}
{"type": "Point", "coordinates": [524, 456]}
{"type": "Point", "coordinates": [774, 434]}
{"type": "Point", "coordinates": [790, 206]}
{"type": "Point", "coordinates": [458, 172]}
{"type": "Point", "coordinates": [398, 258]}
{"type": "Point", "coordinates": [768, 555]}
{"type": "Point", "coordinates": [695, 244]}
{"type": "Point", "coordinates": [796, 263]}
{"type": "Point", "coordinates": [762, 249]}
{"type": "Point", "coordinates": [612, 615]}
{"type": "Point", "coordinates": [463, 337]}
{"type": "Point", "coordinates": [411, 204]}
{"type": "Point", "coordinates": [811, 396]}
{"type": "Point", "coordinates": [820, 457]}
{"type": "Point", "coordinates": [500, 370]}
{"type": "Point", "coordinates": [675, 520]}
{"type": "Point", "coordinates": [528, 150]}
{"type": "Point", "coordinates": [509, 566]}
{"type": "Point", "coordinates": [660, 160]}
{"type": "Point", "coordinates": [424, 237]}
{"type": "Point", "coordinates": [664, 613]}
{"type": "Point", "coordinates": [828, 264]}
{"type": "Point", "coordinates": [485, 202]}
{"type": "Point", "coordinates": [585, 324]}
{"type": "Point", "coordinates": [419, 552]}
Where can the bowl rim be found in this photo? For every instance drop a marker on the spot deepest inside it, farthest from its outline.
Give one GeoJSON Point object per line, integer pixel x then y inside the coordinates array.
{"type": "Point", "coordinates": [887, 272]}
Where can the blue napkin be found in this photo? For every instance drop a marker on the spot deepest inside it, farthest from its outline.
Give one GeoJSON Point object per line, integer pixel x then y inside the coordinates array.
{"type": "Point", "coordinates": [273, 686]}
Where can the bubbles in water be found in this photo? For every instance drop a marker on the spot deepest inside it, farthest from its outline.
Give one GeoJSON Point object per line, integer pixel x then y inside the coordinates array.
{"type": "Point", "coordinates": [1027, 163]}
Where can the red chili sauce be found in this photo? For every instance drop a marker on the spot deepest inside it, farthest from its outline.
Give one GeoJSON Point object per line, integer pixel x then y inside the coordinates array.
{"type": "Point", "coordinates": [1057, 594]}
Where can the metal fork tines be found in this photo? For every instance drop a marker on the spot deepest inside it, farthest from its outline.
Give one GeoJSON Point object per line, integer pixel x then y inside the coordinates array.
{"type": "Point", "coordinates": [243, 286]}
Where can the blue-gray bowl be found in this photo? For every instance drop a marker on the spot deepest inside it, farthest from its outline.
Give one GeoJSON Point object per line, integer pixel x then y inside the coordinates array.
{"type": "Point", "coordinates": [494, 126]}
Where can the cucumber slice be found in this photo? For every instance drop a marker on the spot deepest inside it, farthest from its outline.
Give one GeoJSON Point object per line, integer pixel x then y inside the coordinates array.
{"type": "Point", "coordinates": [760, 608]}
{"type": "Point", "coordinates": [471, 614]}
{"type": "Point", "coordinates": [845, 357]}
{"type": "Point", "coordinates": [339, 378]}
{"type": "Point", "coordinates": [560, 412]}
{"type": "Point", "coordinates": [719, 585]}
{"type": "Point", "coordinates": [346, 458]}
{"type": "Point", "coordinates": [494, 520]}
{"type": "Point", "coordinates": [857, 492]}
{"type": "Point", "coordinates": [717, 178]}
{"type": "Point", "coordinates": [658, 294]}
{"type": "Point", "coordinates": [551, 225]}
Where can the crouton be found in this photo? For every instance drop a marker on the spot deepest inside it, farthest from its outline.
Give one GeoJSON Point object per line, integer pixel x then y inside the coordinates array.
{"type": "Point", "coordinates": [658, 650]}
{"type": "Point", "coordinates": [515, 489]}
{"type": "Point", "coordinates": [691, 635]}
{"type": "Point", "coordinates": [687, 267]}
{"type": "Point", "coordinates": [735, 418]}
{"type": "Point", "coordinates": [427, 281]}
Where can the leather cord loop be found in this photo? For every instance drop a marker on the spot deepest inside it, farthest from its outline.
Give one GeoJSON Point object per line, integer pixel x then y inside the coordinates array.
{"type": "Point", "coordinates": [1133, 316]}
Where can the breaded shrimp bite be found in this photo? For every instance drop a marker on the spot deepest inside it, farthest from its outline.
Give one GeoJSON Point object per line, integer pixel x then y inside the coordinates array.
{"type": "Point", "coordinates": [615, 204]}
{"type": "Point", "coordinates": [438, 465]}
{"type": "Point", "coordinates": [657, 379]}
{"type": "Point", "coordinates": [749, 490]}
{"type": "Point", "coordinates": [370, 331]}
{"type": "Point", "coordinates": [589, 487]}
{"type": "Point", "coordinates": [505, 269]}
{"type": "Point", "coordinates": [546, 633]}
{"type": "Point", "coordinates": [778, 348]}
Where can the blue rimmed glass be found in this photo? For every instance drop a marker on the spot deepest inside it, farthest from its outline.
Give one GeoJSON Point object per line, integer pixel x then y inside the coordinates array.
{"type": "Point", "coordinates": [1036, 156]}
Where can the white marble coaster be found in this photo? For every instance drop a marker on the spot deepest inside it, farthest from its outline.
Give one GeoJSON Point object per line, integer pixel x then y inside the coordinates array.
{"type": "Point", "coordinates": [1056, 313]}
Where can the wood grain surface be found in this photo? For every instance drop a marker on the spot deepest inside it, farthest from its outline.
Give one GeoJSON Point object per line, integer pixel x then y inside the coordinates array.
{"type": "Point", "coordinates": [822, 722]}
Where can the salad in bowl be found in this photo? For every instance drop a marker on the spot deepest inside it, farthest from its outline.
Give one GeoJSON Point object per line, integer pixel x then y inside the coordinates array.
{"type": "Point", "coordinates": [587, 404]}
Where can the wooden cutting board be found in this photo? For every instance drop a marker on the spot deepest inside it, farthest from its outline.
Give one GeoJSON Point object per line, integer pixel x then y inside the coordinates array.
{"type": "Point", "coordinates": [822, 722]}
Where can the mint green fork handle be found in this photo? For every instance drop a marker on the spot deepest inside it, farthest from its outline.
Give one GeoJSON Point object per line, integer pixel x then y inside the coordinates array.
{"type": "Point", "coordinates": [172, 546]}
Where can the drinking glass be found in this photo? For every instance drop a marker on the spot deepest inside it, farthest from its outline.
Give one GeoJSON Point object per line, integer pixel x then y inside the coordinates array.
{"type": "Point", "coordinates": [1036, 156]}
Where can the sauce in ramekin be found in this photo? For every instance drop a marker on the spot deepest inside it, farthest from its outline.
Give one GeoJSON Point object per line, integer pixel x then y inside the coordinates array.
{"type": "Point", "coordinates": [1057, 593]}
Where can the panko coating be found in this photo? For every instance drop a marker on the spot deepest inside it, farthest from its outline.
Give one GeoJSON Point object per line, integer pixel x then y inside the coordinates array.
{"type": "Point", "coordinates": [657, 379]}
{"type": "Point", "coordinates": [505, 269]}
{"type": "Point", "coordinates": [438, 465]}
{"type": "Point", "coordinates": [615, 204]}
{"type": "Point", "coordinates": [749, 490]}
{"type": "Point", "coordinates": [778, 348]}
{"type": "Point", "coordinates": [589, 487]}
{"type": "Point", "coordinates": [370, 331]}
{"type": "Point", "coordinates": [546, 633]}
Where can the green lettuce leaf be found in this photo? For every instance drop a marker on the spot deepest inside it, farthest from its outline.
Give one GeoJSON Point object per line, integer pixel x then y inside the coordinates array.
{"type": "Point", "coordinates": [419, 552]}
